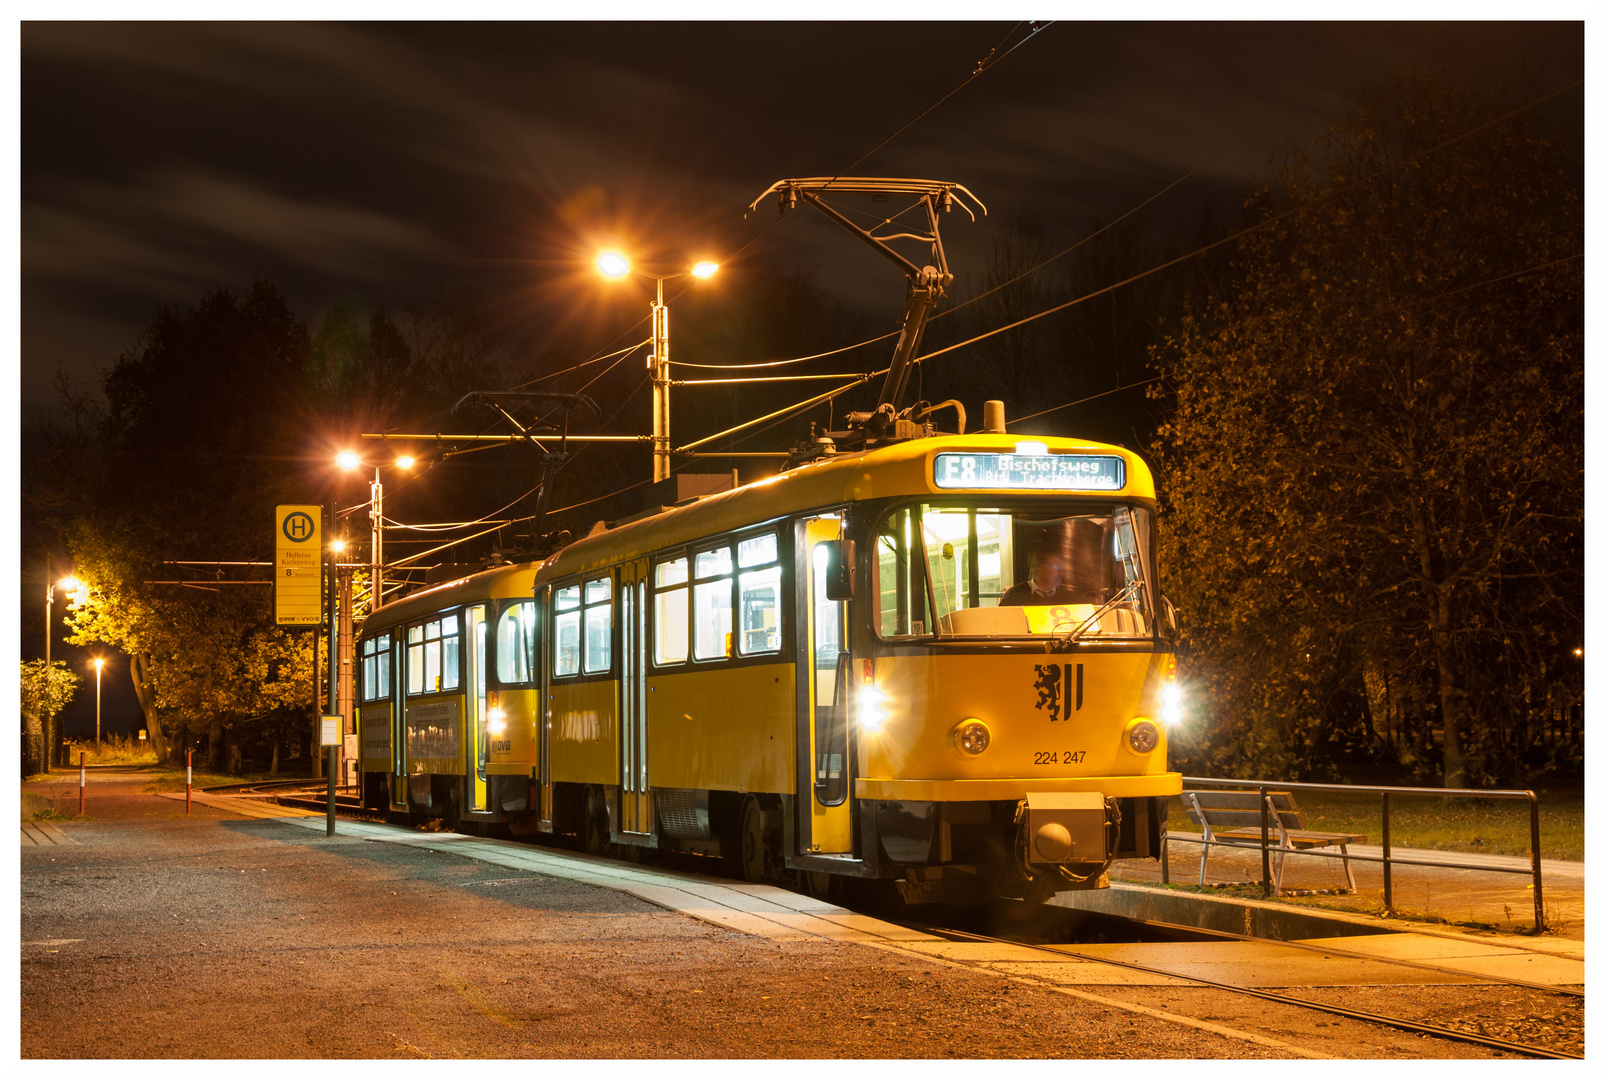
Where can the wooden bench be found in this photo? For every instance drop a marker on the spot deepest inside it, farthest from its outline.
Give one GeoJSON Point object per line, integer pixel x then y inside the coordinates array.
{"type": "Point", "coordinates": [1232, 819]}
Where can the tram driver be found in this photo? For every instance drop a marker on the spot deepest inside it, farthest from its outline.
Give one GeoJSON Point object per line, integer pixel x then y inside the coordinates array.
{"type": "Point", "coordinates": [1058, 577]}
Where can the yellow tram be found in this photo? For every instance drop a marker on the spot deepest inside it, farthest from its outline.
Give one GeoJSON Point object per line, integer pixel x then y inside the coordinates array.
{"type": "Point", "coordinates": [943, 661]}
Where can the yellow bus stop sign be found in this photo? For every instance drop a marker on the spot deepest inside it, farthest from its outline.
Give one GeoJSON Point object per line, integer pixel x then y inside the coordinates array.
{"type": "Point", "coordinates": [298, 566]}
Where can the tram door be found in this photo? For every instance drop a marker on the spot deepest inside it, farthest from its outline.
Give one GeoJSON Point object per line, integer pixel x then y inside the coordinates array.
{"type": "Point", "coordinates": [398, 720]}
{"type": "Point", "coordinates": [477, 749]}
{"type": "Point", "coordinates": [543, 709]}
{"type": "Point", "coordinates": [635, 797]}
{"type": "Point", "coordinates": [829, 668]}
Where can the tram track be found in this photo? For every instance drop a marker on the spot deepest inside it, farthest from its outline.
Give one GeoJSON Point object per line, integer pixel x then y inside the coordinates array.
{"type": "Point", "coordinates": [1381, 1019]}
{"type": "Point", "coordinates": [281, 792]}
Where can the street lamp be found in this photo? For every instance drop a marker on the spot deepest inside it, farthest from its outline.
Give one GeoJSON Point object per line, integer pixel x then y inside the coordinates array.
{"type": "Point", "coordinates": [100, 662]}
{"type": "Point", "coordinates": [68, 584]}
{"type": "Point", "coordinates": [376, 512]}
{"type": "Point", "coordinates": [612, 264]}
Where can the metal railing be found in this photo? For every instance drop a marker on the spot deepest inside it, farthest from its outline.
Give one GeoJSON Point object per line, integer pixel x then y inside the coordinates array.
{"type": "Point", "coordinates": [1387, 858]}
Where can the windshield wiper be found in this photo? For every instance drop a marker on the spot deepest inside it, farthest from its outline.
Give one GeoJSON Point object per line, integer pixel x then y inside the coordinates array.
{"type": "Point", "coordinates": [1072, 636]}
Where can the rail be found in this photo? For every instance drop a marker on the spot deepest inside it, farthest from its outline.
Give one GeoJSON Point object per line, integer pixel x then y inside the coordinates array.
{"type": "Point", "coordinates": [1387, 858]}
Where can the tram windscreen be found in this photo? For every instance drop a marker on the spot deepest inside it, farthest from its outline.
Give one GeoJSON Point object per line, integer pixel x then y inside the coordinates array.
{"type": "Point", "coordinates": [999, 571]}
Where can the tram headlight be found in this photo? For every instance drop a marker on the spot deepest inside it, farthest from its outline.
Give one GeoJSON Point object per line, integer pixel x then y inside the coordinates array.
{"type": "Point", "coordinates": [870, 715]}
{"type": "Point", "coordinates": [1142, 736]}
{"type": "Point", "coordinates": [1170, 705]}
{"type": "Point", "coordinates": [972, 737]}
{"type": "Point", "coordinates": [498, 721]}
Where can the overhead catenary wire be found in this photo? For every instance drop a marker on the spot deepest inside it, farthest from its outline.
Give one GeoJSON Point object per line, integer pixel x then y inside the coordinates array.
{"type": "Point", "coordinates": [1090, 236]}
{"type": "Point", "coordinates": [1256, 227]}
{"type": "Point", "coordinates": [1239, 137]}
{"type": "Point", "coordinates": [1119, 284]}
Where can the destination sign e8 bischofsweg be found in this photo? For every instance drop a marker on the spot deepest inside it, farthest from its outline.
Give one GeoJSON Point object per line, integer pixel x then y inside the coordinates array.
{"type": "Point", "coordinates": [1030, 472]}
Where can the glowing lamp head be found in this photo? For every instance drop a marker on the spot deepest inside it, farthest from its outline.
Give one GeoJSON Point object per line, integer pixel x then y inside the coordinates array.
{"type": "Point", "coordinates": [406, 461]}
{"type": "Point", "coordinates": [99, 663]}
{"type": "Point", "coordinates": [870, 716]}
{"type": "Point", "coordinates": [612, 264]}
{"type": "Point", "coordinates": [496, 721]}
{"type": "Point", "coordinates": [705, 269]}
{"type": "Point", "coordinates": [347, 460]}
{"type": "Point", "coordinates": [337, 546]}
{"type": "Point", "coordinates": [70, 584]}
{"type": "Point", "coordinates": [1170, 705]}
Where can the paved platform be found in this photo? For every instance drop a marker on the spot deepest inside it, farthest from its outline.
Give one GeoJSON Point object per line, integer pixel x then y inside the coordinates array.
{"type": "Point", "coordinates": [1496, 894]}
{"type": "Point", "coordinates": [781, 915]}
{"type": "Point", "coordinates": [247, 920]}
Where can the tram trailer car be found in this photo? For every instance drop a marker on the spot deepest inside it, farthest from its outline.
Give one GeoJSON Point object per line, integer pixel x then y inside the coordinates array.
{"type": "Point", "coordinates": [839, 671]}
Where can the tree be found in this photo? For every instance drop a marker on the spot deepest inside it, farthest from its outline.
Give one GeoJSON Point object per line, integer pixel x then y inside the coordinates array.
{"type": "Point", "coordinates": [45, 692]}
{"type": "Point", "coordinates": [204, 421]}
{"type": "Point", "coordinates": [1373, 455]}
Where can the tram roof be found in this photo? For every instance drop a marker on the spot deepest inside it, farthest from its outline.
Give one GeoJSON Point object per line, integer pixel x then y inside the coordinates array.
{"type": "Point", "coordinates": [903, 468]}
{"type": "Point", "coordinates": [499, 582]}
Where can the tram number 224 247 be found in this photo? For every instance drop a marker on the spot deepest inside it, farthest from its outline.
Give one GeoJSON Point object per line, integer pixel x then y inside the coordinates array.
{"type": "Point", "coordinates": [1053, 757]}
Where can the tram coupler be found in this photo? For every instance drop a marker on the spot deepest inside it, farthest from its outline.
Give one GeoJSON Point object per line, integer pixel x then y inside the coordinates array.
{"type": "Point", "coordinates": [1063, 840]}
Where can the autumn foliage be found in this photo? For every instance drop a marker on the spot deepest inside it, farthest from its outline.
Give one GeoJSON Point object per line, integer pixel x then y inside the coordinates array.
{"type": "Point", "coordinates": [1373, 454]}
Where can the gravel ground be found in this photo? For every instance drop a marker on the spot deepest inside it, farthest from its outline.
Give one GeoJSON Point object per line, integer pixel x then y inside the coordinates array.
{"type": "Point", "coordinates": [215, 937]}
{"type": "Point", "coordinates": [210, 936]}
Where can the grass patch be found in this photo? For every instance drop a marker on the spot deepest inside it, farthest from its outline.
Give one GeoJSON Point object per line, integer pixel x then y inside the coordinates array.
{"type": "Point", "coordinates": [38, 808]}
{"type": "Point", "coordinates": [112, 751]}
{"type": "Point", "coordinates": [1482, 826]}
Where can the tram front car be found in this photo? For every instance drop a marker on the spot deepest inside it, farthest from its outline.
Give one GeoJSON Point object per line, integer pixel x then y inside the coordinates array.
{"type": "Point", "coordinates": [1012, 685]}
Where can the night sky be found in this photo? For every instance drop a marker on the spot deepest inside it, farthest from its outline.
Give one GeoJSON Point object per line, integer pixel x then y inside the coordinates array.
{"type": "Point", "coordinates": [408, 165]}
{"type": "Point", "coordinates": [396, 165]}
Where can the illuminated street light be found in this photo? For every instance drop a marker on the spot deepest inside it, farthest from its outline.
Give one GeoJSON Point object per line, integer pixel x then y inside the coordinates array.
{"type": "Point", "coordinates": [614, 265]}
{"type": "Point", "coordinates": [68, 584]}
{"type": "Point", "coordinates": [99, 663]}
{"type": "Point", "coordinates": [348, 460]}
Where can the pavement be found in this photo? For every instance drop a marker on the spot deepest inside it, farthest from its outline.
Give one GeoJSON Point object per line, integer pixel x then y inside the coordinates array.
{"type": "Point", "coordinates": [247, 921]}
{"type": "Point", "coordinates": [1495, 894]}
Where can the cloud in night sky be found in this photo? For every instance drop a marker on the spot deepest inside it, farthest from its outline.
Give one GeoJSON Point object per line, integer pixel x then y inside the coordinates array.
{"type": "Point", "coordinates": [396, 163]}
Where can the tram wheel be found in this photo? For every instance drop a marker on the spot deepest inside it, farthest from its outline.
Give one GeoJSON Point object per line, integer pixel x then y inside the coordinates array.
{"type": "Point", "coordinates": [595, 832]}
{"type": "Point", "coordinates": [818, 884]}
{"type": "Point", "coordinates": [754, 853]}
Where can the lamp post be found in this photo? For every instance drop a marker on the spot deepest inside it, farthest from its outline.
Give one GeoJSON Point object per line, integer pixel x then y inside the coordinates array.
{"type": "Point", "coordinates": [612, 264]}
{"type": "Point", "coordinates": [68, 584]}
{"type": "Point", "coordinates": [100, 662]}
{"type": "Point", "coordinates": [376, 514]}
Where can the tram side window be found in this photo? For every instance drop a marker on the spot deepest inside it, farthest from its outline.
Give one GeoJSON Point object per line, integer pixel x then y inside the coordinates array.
{"type": "Point", "coordinates": [566, 632]}
{"type": "Point", "coordinates": [376, 668]}
{"type": "Point", "coordinates": [897, 582]}
{"type": "Point", "coordinates": [433, 649]}
{"type": "Point", "coordinates": [515, 643]}
{"type": "Point", "coordinates": [759, 590]}
{"type": "Point", "coordinates": [711, 596]}
{"type": "Point", "coordinates": [598, 625]}
{"type": "Point", "coordinates": [671, 611]}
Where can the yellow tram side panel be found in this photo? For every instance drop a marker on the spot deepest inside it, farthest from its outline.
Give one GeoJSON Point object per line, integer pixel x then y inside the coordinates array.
{"type": "Point", "coordinates": [373, 724]}
{"type": "Point", "coordinates": [512, 753]}
{"type": "Point", "coordinates": [723, 730]}
{"type": "Point", "coordinates": [584, 739]}
{"type": "Point", "coordinates": [1040, 739]}
{"type": "Point", "coordinates": [436, 742]}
